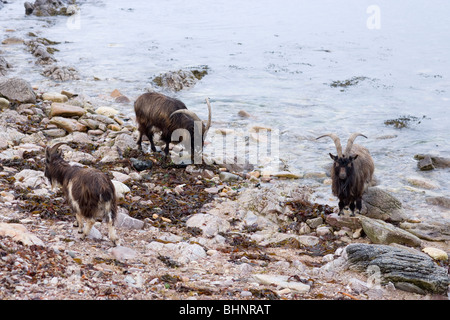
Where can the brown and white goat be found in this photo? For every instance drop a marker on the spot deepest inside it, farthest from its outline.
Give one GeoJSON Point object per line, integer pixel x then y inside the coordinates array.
{"type": "Point", "coordinates": [89, 192]}
{"type": "Point", "coordinates": [351, 173]}
{"type": "Point", "coordinates": [155, 110]}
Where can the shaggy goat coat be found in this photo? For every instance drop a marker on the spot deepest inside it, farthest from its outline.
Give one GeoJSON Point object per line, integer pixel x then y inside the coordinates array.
{"type": "Point", "coordinates": [89, 192]}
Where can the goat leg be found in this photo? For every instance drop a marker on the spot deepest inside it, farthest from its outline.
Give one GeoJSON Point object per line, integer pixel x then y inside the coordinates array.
{"type": "Point", "coordinates": [352, 208]}
{"type": "Point", "coordinates": [341, 207]}
{"type": "Point", "coordinates": [358, 205]}
{"type": "Point", "coordinates": [79, 222]}
{"type": "Point", "coordinates": [87, 227]}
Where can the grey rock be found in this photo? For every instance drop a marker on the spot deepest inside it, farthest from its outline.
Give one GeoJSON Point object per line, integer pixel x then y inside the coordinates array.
{"type": "Point", "coordinates": [379, 204]}
{"type": "Point", "coordinates": [125, 221]}
{"type": "Point", "coordinates": [343, 221]}
{"type": "Point", "coordinates": [45, 8]}
{"type": "Point", "coordinates": [17, 89]}
{"type": "Point", "coordinates": [227, 177]}
{"type": "Point", "coordinates": [58, 73]}
{"type": "Point", "coordinates": [398, 265]}
{"type": "Point", "coordinates": [4, 66]}
{"type": "Point", "coordinates": [382, 232]}
{"type": "Point", "coordinates": [437, 230]}
{"type": "Point", "coordinates": [439, 201]}
{"type": "Point", "coordinates": [437, 162]}
{"type": "Point", "coordinates": [315, 222]}
{"type": "Point", "coordinates": [425, 164]}
{"type": "Point", "coordinates": [122, 253]}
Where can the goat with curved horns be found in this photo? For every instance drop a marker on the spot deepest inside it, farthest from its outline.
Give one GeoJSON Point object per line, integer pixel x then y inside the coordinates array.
{"type": "Point", "coordinates": [351, 173]}
{"type": "Point", "coordinates": [88, 191]}
{"type": "Point", "coordinates": [155, 110]}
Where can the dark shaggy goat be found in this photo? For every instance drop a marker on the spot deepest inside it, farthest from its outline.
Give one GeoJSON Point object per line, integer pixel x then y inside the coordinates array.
{"type": "Point", "coordinates": [88, 191]}
{"type": "Point", "coordinates": [351, 172]}
{"type": "Point", "coordinates": [155, 110]}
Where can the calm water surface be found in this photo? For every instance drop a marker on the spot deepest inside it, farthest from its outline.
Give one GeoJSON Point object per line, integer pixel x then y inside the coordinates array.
{"type": "Point", "coordinates": [276, 60]}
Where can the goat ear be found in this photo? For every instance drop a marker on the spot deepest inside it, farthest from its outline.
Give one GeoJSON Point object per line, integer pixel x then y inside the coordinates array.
{"type": "Point", "coordinates": [354, 157]}
{"type": "Point", "coordinates": [333, 157]}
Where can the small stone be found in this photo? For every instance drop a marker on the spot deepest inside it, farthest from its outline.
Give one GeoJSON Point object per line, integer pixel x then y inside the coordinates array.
{"type": "Point", "coordinates": [66, 110]}
{"type": "Point", "coordinates": [245, 294]}
{"type": "Point", "coordinates": [4, 103]}
{"type": "Point", "coordinates": [107, 111]}
{"type": "Point", "coordinates": [55, 97]}
{"type": "Point", "coordinates": [70, 125]}
{"type": "Point", "coordinates": [426, 163]}
{"type": "Point", "coordinates": [244, 114]}
{"type": "Point", "coordinates": [315, 222]}
{"type": "Point", "coordinates": [435, 253]}
{"type": "Point", "coordinates": [123, 253]}
{"type": "Point", "coordinates": [227, 177]}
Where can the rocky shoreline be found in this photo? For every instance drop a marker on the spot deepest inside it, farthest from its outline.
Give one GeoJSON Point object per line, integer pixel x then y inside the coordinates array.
{"type": "Point", "coordinates": [195, 232]}
{"type": "Point", "coordinates": [189, 232]}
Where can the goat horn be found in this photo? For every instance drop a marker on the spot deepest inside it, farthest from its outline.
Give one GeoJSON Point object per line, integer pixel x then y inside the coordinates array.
{"type": "Point", "coordinates": [337, 142]}
{"type": "Point", "coordinates": [352, 138]}
{"type": "Point", "coordinates": [188, 113]}
{"type": "Point", "coordinates": [56, 146]}
{"type": "Point", "coordinates": [208, 124]}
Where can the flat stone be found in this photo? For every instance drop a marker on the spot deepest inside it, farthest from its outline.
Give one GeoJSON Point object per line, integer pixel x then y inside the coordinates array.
{"type": "Point", "coordinates": [66, 110]}
{"type": "Point", "coordinates": [55, 97]}
{"type": "Point", "coordinates": [70, 125]}
{"type": "Point", "coordinates": [281, 281]}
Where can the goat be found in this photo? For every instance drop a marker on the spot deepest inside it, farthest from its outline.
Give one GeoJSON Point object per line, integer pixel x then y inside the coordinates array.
{"type": "Point", "coordinates": [351, 172]}
{"type": "Point", "coordinates": [168, 114]}
{"type": "Point", "coordinates": [89, 192]}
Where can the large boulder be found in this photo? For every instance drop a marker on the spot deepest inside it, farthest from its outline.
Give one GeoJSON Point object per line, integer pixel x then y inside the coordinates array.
{"type": "Point", "coordinates": [436, 230]}
{"type": "Point", "coordinates": [382, 232]}
{"type": "Point", "coordinates": [17, 89]}
{"type": "Point", "coordinates": [405, 268]}
{"type": "Point", "coordinates": [379, 204]}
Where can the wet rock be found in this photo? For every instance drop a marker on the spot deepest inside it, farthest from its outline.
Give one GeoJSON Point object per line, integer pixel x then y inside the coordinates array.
{"type": "Point", "coordinates": [381, 232]}
{"type": "Point", "coordinates": [425, 164]}
{"type": "Point", "coordinates": [65, 110]}
{"type": "Point", "coordinates": [438, 162]}
{"type": "Point", "coordinates": [379, 204]}
{"type": "Point", "coordinates": [398, 265]}
{"type": "Point", "coordinates": [439, 201]}
{"type": "Point", "coordinates": [281, 281]}
{"type": "Point", "coordinates": [179, 80]}
{"type": "Point", "coordinates": [41, 52]}
{"type": "Point", "coordinates": [45, 8]}
{"type": "Point", "coordinates": [122, 99]}
{"type": "Point", "coordinates": [19, 233]}
{"type": "Point", "coordinates": [4, 66]}
{"type": "Point", "coordinates": [17, 89]}
{"type": "Point", "coordinates": [124, 142]}
{"type": "Point", "coordinates": [422, 183]}
{"type": "Point", "coordinates": [12, 40]}
{"type": "Point", "coordinates": [70, 125]}
{"type": "Point", "coordinates": [244, 114]}
{"type": "Point", "coordinates": [58, 73]}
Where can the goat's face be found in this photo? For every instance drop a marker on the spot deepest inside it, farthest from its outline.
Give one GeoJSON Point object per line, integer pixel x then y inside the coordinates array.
{"type": "Point", "coordinates": [343, 166]}
{"type": "Point", "coordinates": [51, 156]}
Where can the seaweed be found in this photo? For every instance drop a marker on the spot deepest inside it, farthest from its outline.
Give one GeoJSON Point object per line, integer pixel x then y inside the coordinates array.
{"type": "Point", "coordinates": [404, 121]}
